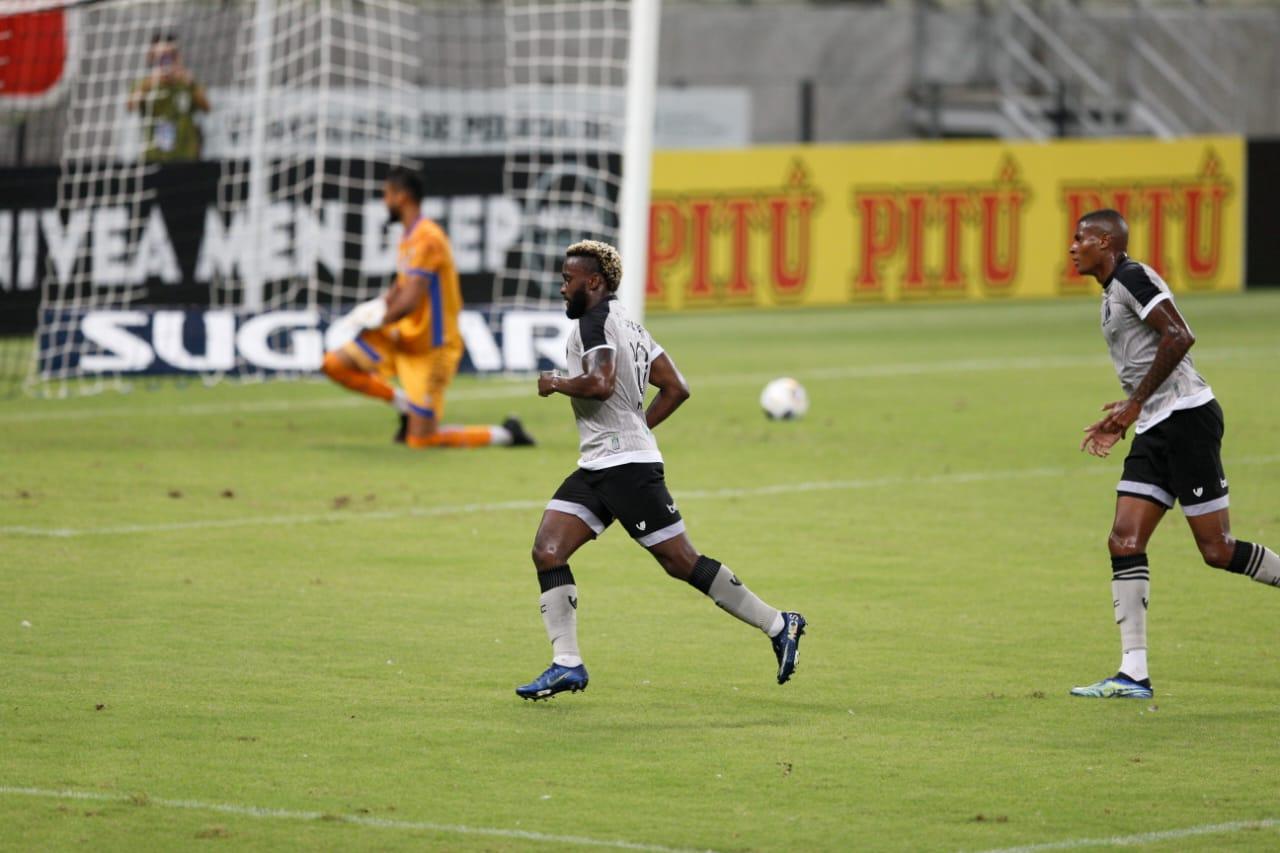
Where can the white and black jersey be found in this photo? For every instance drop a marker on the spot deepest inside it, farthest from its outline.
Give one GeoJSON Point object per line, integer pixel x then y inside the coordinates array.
{"type": "Point", "coordinates": [1128, 296]}
{"type": "Point", "coordinates": [614, 431]}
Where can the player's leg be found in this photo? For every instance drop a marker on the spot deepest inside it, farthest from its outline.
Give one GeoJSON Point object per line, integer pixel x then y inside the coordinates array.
{"type": "Point", "coordinates": [715, 580]}
{"type": "Point", "coordinates": [1135, 520]}
{"type": "Point", "coordinates": [573, 517]}
{"type": "Point", "coordinates": [559, 535]}
{"type": "Point", "coordinates": [681, 560]}
{"type": "Point", "coordinates": [1201, 486]}
{"type": "Point", "coordinates": [1223, 551]}
{"type": "Point", "coordinates": [426, 433]}
{"type": "Point", "coordinates": [426, 378]}
{"type": "Point", "coordinates": [355, 366]}
{"type": "Point", "coordinates": [638, 495]}
{"type": "Point", "coordinates": [1143, 497]}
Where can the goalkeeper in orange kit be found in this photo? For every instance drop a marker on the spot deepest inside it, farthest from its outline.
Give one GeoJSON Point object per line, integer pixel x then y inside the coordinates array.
{"type": "Point", "coordinates": [411, 332]}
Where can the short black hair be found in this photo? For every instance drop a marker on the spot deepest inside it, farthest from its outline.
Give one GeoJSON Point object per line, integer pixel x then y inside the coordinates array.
{"type": "Point", "coordinates": [1110, 221]}
{"type": "Point", "coordinates": [408, 180]}
{"type": "Point", "coordinates": [159, 37]}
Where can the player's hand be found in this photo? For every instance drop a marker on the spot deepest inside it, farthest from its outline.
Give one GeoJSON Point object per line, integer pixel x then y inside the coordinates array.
{"type": "Point", "coordinates": [368, 315]}
{"type": "Point", "coordinates": [1098, 443]}
{"type": "Point", "coordinates": [1120, 416]}
{"type": "Point", "coordinates": [1102, 435]}
{"type": "Point", "coordinates": [547, 384]}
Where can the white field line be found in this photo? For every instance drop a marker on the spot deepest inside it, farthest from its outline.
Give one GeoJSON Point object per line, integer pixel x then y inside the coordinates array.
{"type": "Point", "coordinates": [55, 412]}
{"type": "Point", "coordinates": [500, 390]}
{"type": "Point", "coordinates": [259, 812]}
{"type": "Point", "coordinates": [358, 820]}
{"type": "Point", "coordinates": [523, 505]}
{"type": "Point", "coordinates": [1141, 838]}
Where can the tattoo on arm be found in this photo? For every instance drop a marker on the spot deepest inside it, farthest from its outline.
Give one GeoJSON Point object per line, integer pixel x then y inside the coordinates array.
{"type": "Point", "coordinates": [1175, 340]}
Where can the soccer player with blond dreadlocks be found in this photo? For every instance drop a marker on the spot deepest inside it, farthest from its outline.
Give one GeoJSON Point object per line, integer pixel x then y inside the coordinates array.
{"type": "Point", "coordinates": [612, 361]}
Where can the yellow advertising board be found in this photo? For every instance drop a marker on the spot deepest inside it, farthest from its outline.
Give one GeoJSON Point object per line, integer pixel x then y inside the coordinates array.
{"type": "Point", "coordinates": [827, 225]}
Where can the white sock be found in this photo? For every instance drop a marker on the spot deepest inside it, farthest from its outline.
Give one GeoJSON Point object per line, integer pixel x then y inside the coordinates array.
{"type": "Point", "coordinates": [1133, 663]}
{"type": "Point", "coordinates": [724, 588]}
{"type": "Point", "coordinates": [400, 402]}
{"type": "Point", "coordinates": [559, 602]}
{"type": "Point", "coordinates": [1130, 594]}
{"type": "Point", "coordinates": [499, 436]}
{"type": "Point", "coordinates": [1258, 562]}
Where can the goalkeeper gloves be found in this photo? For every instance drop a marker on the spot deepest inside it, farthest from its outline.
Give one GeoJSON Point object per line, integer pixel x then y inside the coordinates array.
{"type": "Point", "coordinates": [368, 315]}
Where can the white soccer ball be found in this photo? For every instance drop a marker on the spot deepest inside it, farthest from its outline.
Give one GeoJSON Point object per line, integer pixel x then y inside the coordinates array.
{"type": "Point", "coordinates": [784, 399]}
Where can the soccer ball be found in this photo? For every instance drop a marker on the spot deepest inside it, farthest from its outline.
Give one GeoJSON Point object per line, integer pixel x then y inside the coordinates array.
{"type": "Point", "coordinates": [784, 399]}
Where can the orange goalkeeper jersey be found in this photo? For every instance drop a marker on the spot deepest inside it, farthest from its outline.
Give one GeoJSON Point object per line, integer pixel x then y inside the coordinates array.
{"type": "Point", "coordinates": [425, 252]}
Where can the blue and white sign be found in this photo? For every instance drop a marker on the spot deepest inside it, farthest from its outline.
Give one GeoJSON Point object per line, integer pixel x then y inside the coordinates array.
{"type": "Point", "coordinates": [151, 340]}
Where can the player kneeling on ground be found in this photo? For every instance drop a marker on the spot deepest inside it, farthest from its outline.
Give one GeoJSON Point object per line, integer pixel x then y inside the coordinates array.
{"type": "Point", "coordinates": [612, 361]}
{"type": "Point", "coordinates": [1175, 455]}
{"type": "Point", "coordinates": [411, 332]}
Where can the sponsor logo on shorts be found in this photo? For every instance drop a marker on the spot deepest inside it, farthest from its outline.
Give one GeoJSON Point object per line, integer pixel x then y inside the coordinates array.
{"type": "Point", "coordinates": [641, 526]}
{"type": "Point", "coordinates": [1198, 492]}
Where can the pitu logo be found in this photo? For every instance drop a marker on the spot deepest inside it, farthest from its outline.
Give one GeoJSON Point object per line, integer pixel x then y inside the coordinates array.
{"type": "Point", "coordinates": [932, 240]}
{"type": "Point", "coordinates": [727, 246]}
{"type": "Point", "coordinates": [1176, 224]}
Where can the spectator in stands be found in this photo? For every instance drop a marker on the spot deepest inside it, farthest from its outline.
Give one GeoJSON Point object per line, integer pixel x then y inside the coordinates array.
{"type": "Point", "coordinates": [168, 99]}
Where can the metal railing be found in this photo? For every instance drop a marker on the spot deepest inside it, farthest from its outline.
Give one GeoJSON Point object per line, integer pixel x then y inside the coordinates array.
{"type": "Point", "coordinates": [1051, 59]}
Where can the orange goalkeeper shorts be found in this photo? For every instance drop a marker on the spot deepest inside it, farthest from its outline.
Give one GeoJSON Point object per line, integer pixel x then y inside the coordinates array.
{"type": "Point", "coordinates": [424, 374]}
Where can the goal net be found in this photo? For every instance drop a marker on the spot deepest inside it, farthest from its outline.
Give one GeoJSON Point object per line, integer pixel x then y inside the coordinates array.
{"type": "Point", "coordinates": [219, 169]}
{"type": "Point", "coordinates": [566, 76]}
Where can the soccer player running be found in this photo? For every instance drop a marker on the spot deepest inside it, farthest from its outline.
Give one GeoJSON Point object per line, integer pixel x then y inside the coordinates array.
{"type": "Point", "coordinates": [411, 332]}
{"type": "Point", "coordinates": [1175, 455]}
{"type": "Point", "coordinates": [612, 361]}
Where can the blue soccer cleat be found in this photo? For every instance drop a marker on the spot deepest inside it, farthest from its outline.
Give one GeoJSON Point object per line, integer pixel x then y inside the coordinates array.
{"type": "Point", "coordinates": [556, 679]}
{"type": "Point", "coordinates": [787, 645]}
{"type": "Point", "coordinates": [1118, 686]}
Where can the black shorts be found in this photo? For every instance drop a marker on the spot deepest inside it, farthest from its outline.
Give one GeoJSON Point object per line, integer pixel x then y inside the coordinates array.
{"type": "Point", "coordinates": [635, 494]}
{"type": "Point", "coordinates": [1179, 458]}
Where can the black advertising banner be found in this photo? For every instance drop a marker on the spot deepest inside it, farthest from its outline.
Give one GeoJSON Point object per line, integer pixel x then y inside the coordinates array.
{"type": "Point", "coordinates": [168, 249]}
{"type": "Point", "coordinates": [1262, 216]}
{"type": "Point", "coordinates": [24, 195]}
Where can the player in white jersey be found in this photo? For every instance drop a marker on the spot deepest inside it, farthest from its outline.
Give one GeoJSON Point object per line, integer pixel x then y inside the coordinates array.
{"type": "Point", "coordinates": [1175, 456]}
{"type": "Point", "coordinates": [612, 362]}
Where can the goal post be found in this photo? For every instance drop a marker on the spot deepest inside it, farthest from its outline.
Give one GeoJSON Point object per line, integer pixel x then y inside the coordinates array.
{"type": "Point", "coordinates": [637, 155]}
{"type": "Point", "coordinates": [215, 225]}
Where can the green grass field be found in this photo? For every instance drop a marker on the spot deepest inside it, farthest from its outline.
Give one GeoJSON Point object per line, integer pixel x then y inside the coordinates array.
{"type": "Point", "coordinates": [239, 616]}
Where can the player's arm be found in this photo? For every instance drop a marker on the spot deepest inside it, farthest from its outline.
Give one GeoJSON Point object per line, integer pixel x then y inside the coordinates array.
{"type": "Point", "coordinates": [672, 390]}
{"type": "Point", "coordinates": [404, 297]}
{"type": "Point", "coordinates": [400, 300]}
{"type": "Point", "coordinates": [596, 382]}
{"type": "Point", "coordinates": [1176, 340]}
